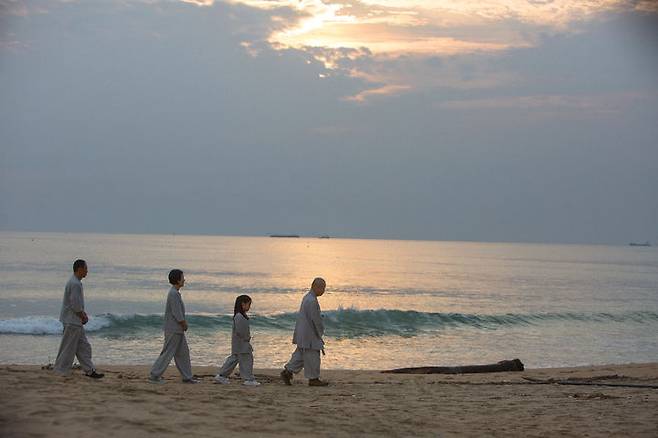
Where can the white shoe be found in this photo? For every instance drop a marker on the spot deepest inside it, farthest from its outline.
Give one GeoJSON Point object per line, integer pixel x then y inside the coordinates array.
{"type": "Point", "coordinates": [222, 380]}
{"type": "Point", "coordinates": [250, 383]}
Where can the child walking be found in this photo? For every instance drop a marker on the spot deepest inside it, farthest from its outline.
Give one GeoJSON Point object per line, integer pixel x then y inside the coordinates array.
{"type": "Point", "coordinates": [241, 350]}
{"type": "Point", "coordinates": [175, 326]}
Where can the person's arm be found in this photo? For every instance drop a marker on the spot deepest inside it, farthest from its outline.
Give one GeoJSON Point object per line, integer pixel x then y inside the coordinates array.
{"type": "Point", "coordinates": [177, 311]}
{"type": "Point", "coordinates": [75, 301]}
{"type": "Point", "coordinates": [314, 315]}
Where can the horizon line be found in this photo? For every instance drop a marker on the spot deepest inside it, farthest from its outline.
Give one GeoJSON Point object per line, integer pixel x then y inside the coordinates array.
{"type": "Point", "coordinates": [318, 236]}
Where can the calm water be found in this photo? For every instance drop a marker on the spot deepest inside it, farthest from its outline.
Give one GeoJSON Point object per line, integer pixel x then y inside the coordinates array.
{"type": "Point", "coordinates": [388, 303]}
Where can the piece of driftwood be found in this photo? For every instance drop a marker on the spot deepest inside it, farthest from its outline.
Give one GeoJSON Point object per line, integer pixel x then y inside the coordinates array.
{"type": "Point", "coordinates": [586, 382]}
{"type": "Point", "coordinates": [503, 365]}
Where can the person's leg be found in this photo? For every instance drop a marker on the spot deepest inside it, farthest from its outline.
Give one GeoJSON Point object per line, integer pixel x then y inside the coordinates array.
{"type": "Point", "coordinates": [229, 365]}
{"type": "Point", "coordinates": [247, 366]}
{"type": "Point", "coordinates": [296, 362]}
{"type": "Point", "coordinates": [182, 359]}
{"type": "Point", "coordinates": [67, 348]}
{"type": "Point", "coordinates": [168, 350]}
{"type": "Point", "coordinates": [83, 353]}
{"type": "Point", "coordinates": [311, 364]}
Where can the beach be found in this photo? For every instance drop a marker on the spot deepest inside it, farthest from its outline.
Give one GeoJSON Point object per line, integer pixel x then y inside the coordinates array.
{"type": "Point", "coordinates": [563, 310]}
{"type": "Point", "coordinates": [36, 403]}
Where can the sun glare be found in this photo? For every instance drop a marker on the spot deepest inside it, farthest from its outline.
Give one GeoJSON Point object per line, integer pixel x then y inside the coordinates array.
{"type": "Point", "coordinates": [421, 26]}
{"type": "Point", "coordinates": [338, 32]}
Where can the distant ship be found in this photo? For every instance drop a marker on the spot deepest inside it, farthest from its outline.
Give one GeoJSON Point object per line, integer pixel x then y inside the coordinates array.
{"type": "Point", "coordinates": [324, 236]}
{"type": "Point", "coordinates": [285, 235]}
{"type": "Point", "coordinates": [639, 244]}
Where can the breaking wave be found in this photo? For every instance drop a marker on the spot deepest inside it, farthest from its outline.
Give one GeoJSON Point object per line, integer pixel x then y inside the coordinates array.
{"type": "Point", "coordinates": [340, 323]}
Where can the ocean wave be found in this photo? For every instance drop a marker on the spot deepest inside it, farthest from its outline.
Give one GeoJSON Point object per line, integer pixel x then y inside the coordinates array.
{"type": "Point", "coordinates": [46, 325]}
{"type": "Point", "coordinates": [340, 323]}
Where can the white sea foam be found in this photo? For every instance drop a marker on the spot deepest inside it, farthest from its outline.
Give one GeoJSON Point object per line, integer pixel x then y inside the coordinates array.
{"type": "Point", "coordinates": [45, 325]}
{"type": "Point", "coordinates": [340, 323]}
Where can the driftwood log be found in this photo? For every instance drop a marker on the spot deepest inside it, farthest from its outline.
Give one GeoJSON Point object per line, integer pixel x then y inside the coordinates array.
{"type": "Point", "coordinates": [503, 365]}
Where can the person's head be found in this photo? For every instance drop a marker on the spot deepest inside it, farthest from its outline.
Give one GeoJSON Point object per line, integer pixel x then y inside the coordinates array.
{"type": "Point", "coordinates": [318, 286]}
{"type": "Point", "coordinates": [242, 305]}
{"type": "Point", "coordinates": [176, 278]}
{"type": "Point", "coordinates": [80, 268]}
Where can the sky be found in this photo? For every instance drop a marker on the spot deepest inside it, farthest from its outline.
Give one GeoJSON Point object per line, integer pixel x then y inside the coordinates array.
{"type": "Point", "coordinates": [510, 120]}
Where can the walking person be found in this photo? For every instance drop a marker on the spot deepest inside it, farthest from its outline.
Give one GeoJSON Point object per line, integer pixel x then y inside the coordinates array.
{"type": "Point", "coordinates": [73, 316]}
{"type": "Point", "coordinates": [175, 326]}
{"type": "Point", "coordinates": [241, 349]}
{"type": "Point", "coordinates": [309, 330]}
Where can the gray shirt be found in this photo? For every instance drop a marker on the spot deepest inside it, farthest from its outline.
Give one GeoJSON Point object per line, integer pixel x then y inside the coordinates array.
{"type": "Point", "coordinates": [174, 312]}
{"type": "Point", "coordinates": [241, 335]}
{"type": "Point", "coordinates": [309, 327]}
{"type": "Point", "coordinates": [73, 302]}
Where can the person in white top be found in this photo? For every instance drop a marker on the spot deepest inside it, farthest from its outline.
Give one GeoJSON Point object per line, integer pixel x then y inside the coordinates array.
{"type": "Point", "coordinates": [175, 326]}
{"type": "Point", "coordinates": [241, 349]}
{"type": "Point", "coordinates": [309, 330]}
{"type": "Point", "coordinates": [73, 316]}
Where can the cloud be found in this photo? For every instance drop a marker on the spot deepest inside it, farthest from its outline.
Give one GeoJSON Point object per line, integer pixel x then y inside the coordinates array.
{"type": "Point", "coordinates": [19, 8]}
{"type": "Point", "coordinates": [382, 31]}
{"type": "Point", "coordinates": [10, 7]}
{"type": "Point", "coordinates": [549, 139]}
{"type": "Point", "coordinates": [381, 91]}
{"type": "Point", "coordinates": [394, 46]}
{"type": "Point", "coordinates": [12, 45]}
{"type": "Point", "coordinates": [647, 6]}
{"type": "Point", "coordinates": [602, 104]}
{"type": "Point", "coordinates": [556, 13]}
{"type": "Point", "coordinates": [411, 26]}
{"type": "Point", "coordinates": [200, 2]}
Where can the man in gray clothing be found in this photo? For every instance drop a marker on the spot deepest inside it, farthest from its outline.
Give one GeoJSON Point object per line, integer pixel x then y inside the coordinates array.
{"type": "Point", "coordinates": [73, 316]}
{"type": "Point", "coordinates": [175, 326]}
{"type": "Point", "coordinates": [309, 330]}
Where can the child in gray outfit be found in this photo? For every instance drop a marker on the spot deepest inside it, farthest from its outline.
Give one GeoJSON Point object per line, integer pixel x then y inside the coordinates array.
{"type": "Point", "coordinates": [241, 349]}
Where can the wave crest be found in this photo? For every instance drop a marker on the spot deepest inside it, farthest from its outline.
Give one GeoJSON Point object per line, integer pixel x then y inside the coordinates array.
{"type": "Point", "coordinates": [340, 323]}
{"type": "Point", "coordinates": [46, 325]}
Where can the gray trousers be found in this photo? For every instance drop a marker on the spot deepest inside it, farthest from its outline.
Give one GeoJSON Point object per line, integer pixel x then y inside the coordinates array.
{"type": "Point", "coordinates": [307, 359]}
{"type": "Point", "coordinates": [175, 346]}
{"type": "Point", "coordinates": [74, 343]}
{"type": "Point", "coordinates": [246, 361]}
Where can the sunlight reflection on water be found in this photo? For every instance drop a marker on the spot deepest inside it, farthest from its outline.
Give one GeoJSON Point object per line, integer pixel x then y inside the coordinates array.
{"type": "Point", "coordinates": [128, 276]}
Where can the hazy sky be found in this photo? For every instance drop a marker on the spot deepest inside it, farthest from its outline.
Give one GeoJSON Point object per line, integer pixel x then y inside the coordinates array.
{"type": "Point", "coordinates": [510, 120]}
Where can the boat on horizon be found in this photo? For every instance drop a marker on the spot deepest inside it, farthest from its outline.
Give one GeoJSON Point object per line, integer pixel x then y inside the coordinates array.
{"type": "Point", "coordinates": [639, 244]}
{"type": "Point", "coordinates": [285, 235]}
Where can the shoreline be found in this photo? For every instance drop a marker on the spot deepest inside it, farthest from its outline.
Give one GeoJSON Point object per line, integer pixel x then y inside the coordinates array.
{"type": "Point", "coordinates": [35, 402]}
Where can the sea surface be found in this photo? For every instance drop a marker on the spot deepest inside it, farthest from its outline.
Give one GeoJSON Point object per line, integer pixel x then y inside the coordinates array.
{"type": "Point", "coordinates": [388, 303]}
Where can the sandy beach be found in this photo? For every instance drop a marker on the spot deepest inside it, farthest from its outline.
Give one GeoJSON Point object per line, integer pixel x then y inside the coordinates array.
{"type": "Point", "coordinates": [36, 403]}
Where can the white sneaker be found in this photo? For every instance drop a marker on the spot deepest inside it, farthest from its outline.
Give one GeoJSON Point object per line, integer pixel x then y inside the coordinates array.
{"type": "Point", "coordinates": [222, 380]}
{"type": "Point", "coordinates": [251, 383]}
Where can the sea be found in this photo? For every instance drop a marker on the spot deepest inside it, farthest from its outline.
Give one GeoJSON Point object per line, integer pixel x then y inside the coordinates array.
{"type": "Point", "coordinates": [388, 304]}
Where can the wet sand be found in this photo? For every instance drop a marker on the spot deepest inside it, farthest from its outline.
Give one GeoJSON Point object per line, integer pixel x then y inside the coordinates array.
{"type": "Point", "coordinates": [36, 403]}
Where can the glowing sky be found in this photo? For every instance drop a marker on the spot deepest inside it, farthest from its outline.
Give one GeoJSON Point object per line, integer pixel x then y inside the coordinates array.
{"type": "Point", "coordinates": [426, 26]}
{"type": "Point", "coordinates": [381, 29]}
{"type": "Point", "coordinates": [509, 120]}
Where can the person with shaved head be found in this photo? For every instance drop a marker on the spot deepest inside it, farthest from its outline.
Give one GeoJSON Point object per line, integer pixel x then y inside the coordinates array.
{"type": "Point", "coordinates": [309, 330]}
